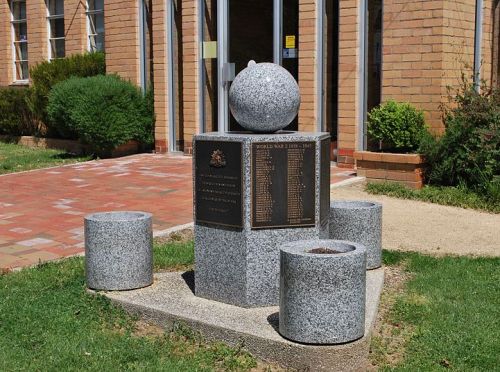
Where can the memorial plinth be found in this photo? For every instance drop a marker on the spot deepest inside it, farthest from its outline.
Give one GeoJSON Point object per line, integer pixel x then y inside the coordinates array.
{"type": "Point", "coordinates": [253, 192]}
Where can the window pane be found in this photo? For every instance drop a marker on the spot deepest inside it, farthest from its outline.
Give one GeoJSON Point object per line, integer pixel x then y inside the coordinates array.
{"type": "Point", "coordinates": [57, 27]}
{"type": "Point", "coordinates": [100, 42]}
{"type": "Point", "coordinates": [21, 70]}
{"type": "Point", "coordinates": [19, 10]}
{"type": "Point", "coordinates": [99, 22]}
{"type": "Point", "coordinates": [96, 5]}
{"type": "Point", "coordinates": [20, 32]}
{"type": "Point", "coordinates": [21, 51]}
{"type": "Point", "coordinates": [56, 7]}
{"type": "Point", "coordinates": [57, 48]}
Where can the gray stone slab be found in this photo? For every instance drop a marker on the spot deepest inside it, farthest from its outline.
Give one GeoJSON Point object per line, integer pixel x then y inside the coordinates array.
{"type": "Point", "coordinates": [241, 266]}
{"type": "Point", "coordinates": [322, 291]}
{"type": "Point", "coordinates": [118, 250]}
{"type": "Point", "coordinates": [171, 300]}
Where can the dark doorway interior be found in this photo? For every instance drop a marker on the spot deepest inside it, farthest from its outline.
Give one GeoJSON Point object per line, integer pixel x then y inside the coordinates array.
{"type": "Point", "coordinates": [251, 37]}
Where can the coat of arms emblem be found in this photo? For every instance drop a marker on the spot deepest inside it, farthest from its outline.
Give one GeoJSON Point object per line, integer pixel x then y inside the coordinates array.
{"type": "Point", "coordinates": [218, 159]}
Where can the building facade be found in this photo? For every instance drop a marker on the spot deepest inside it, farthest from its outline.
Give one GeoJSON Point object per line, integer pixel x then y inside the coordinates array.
{"type": "Point", "coordinates": [347, 55]}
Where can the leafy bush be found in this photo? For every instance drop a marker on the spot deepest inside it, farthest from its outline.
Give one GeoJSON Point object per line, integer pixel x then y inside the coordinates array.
{"type": "Point", "coordinates": [468, 153]}
{"type": "Point", "coordinates": [396, 127]}
{"type": "Point", "coordinates": [15, 116]}
{"type": "Point", "coordinates": [46, 74]}
{"type": "Point", "coordinates": [103, 111]}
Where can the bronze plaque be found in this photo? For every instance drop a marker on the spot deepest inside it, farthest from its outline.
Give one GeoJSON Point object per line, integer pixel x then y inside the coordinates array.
{"type": "Point", "coordinates": [218, 190]}
{"type": "Point", "coordinates": [283, 184]}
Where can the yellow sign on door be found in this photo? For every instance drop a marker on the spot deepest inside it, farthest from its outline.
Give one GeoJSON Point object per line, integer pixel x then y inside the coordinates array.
{"type": "Point", "coordinates": [290, 41]}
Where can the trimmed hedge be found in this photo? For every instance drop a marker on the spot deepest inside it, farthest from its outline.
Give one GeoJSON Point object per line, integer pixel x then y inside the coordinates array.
{"type": "Point", "coordinates": [104, 111]}
{"type": "Point", "coordinates": [396, 127]}
{"type": "Point", "coordinates": [46, 74]}
{"type": "Point", "coordinates": [15, 116]}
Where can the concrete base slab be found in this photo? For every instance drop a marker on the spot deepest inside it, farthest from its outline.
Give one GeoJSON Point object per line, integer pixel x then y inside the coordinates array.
{"type": "Point", "coordinates": [171, 300]}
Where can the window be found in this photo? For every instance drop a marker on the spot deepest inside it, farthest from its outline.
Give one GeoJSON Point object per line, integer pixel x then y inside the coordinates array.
{"type": "Point", "coordinates": [95, 25]}
{"type": "Point", "coordinates": [55, 18]}
{"type": "Point", "coordinates": [20, 39]}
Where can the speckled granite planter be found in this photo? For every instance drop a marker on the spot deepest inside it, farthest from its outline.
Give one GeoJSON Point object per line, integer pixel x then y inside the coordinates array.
{"type": "Point", "coordinates": [322, 295]}
{"type": "Point", "coordinates": [361, 222]}
{"type": "Point", "coordinates": [119, 250]}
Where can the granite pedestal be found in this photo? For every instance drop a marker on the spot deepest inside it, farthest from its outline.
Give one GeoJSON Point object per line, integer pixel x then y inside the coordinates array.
{"type": "Point", "coordinates": [254, 192]}
{"type": "Point", "coordinates": [322, 291]}
{"type": "Point", "coordinates": [118, 250]}
{"type": "Point", "coordinates": [359, 221]}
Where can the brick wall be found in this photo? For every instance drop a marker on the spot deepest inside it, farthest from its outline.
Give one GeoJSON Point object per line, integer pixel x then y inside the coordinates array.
{"type": "Point", "coordinates": [75, 24]}
{"type": "Point", "coordinates": [121, 26]}
{"type": "Point", "coordinates": [307, 65]}
{"type": "Point", "coordinates": [6, 69]}
{"type": "Point", "coordinates": [348, 99]}
{"type": "Point", "coordinates": [488, 39]}
{"type": "Point", "coordinates": [189, 72]}
{"type": "Point", "coordinates": [413, 54]}
{"type": "Point", "coordinates": [38, 44]}
{"type": "Point", "coordinates": [160, 76]}
{"type": "Point", "coordinates": [426, 47]}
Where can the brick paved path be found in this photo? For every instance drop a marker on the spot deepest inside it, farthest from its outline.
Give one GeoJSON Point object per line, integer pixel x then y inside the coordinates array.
{"type": "Point", "coordinates": [41, 211]}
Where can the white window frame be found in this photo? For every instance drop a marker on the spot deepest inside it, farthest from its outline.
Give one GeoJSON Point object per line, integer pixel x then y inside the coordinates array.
{"type": "Point", "coordinates": [51, 17]}
{"type": "Point", "coordinates": [88, 14]}
{"type": "Point", "coordinates": [13, 22]}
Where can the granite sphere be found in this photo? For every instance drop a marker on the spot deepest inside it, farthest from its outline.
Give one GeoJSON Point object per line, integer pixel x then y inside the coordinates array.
{"type": "Point", "coordinates": [264, 97]}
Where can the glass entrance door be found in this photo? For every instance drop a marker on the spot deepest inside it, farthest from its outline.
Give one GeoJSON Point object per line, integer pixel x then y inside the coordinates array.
{"type": "Point", "coordinates": [250, 37]}
{"type": "Point", "coordinates": [259, 30]}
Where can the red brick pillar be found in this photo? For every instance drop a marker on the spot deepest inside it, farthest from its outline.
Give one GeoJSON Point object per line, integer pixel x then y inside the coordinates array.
{"type": "Point", "coordinates": [348, 84]}
{"type": "Point", "coordinates": [75, 24]}
{"type": "Point", "coordinates": [121, 27]}
{"type": "Point", "coordinates": [190, 72]}
{"type": "Point", "coordinates": [38, 43]}
{"type": "Point", "coordinates": [6, 62]}
{"type": "Point", "coordinates": [160, 76]}
{"type": "Point", "coordinates": [307, 65]}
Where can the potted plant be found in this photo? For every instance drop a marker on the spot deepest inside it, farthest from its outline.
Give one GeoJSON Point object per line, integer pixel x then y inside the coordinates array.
{"type": "Point", "coordinates": [395, 130]}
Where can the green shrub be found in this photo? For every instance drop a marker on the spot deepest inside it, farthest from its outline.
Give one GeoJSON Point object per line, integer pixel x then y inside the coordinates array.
{"type": "Point", "coordinates": [396, 127]}
{"type": "Point", "coordinates": [46, 74]}
{"type": "Point", "coordinates": [468, 153]}
{"type": "Point", "coordinates": [103, 111]}
{"type": "Point", "coordinates": [15, 116]}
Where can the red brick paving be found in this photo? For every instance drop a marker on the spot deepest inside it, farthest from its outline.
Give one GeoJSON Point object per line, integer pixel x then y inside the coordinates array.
{"type": "Point", "coordinates": [41, 211]}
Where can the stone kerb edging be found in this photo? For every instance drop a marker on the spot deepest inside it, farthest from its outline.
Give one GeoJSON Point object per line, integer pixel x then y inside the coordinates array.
{"type": "Point", "coordinates": [322, 291]}
{"type": "Point", "coordinates": [119, 250]}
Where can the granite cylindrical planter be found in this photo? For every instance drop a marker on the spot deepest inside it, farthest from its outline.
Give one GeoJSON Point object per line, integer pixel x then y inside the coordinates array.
{"type": "Point", "coordinates": [360, 222]}
{"type": "Point", "coordinates": [118, 250]}
{"type": "Point", "coordinates": [322, 291]}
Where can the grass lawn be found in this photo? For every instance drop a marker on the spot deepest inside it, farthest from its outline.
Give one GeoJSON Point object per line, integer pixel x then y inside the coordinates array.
{"type": "Point", "coordinates": [49, 323]}
{"type": "Point", "coordinates": [453, 196]}
{"type": "Point", "coordinates": [446, 313]}
{"type": "Point", "coordinates": [16, 158]}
